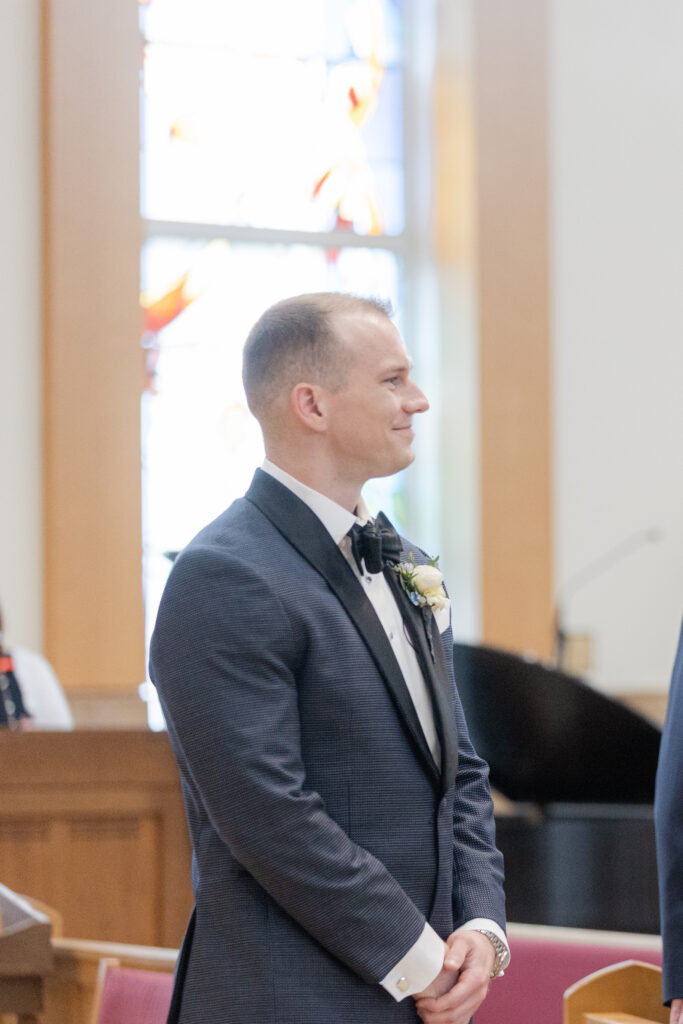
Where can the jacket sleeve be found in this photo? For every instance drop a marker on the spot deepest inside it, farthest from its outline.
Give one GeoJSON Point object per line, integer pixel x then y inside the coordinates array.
{"type": "Point", "coordinates": [224, 659]}
{"type": "Point", "coordinates": [669, 834]}
{"type": "Point", "coordinates": [477, 863]}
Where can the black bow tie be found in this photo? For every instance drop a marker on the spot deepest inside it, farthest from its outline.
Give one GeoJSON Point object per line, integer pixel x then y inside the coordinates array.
{"type": "Point", "coordinates": [375, 544]}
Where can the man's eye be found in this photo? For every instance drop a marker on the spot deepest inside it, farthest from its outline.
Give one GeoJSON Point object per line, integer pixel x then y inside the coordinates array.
{"type": "Point", "coordinates": [392, 380]}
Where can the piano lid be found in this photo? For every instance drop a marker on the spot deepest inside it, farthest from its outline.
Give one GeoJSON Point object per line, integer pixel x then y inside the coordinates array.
{"type": "Point", "coordinates": [549, 737]}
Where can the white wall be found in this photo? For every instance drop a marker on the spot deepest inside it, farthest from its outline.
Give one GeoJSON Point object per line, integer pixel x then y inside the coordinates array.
{"type": "Point", "coordinates": [20, 306]}
{"type": "Point", "coordinates": [616, 114]}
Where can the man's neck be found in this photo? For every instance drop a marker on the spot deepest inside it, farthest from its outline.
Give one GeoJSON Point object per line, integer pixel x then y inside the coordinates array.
{"type": "Point", "coordinates": [336, 519]}
{"type": "Point", "coordinates": [319, 479]}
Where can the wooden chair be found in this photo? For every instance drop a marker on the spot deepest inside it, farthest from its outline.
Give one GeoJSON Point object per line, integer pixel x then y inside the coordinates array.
{"type": "Point", "coordinates": [129, 995]}
{"type": "Point", "coordinates": [625, 993]}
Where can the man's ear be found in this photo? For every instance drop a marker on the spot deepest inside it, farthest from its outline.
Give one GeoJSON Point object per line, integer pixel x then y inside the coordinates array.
{"type": "Point", "coordinates": [308, 404]}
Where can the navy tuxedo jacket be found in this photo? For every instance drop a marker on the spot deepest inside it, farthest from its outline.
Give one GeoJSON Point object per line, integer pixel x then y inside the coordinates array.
{"type": "Point", "coordinates": [669, 829]}
{"type": "Point", "coordinates": [323, 833]}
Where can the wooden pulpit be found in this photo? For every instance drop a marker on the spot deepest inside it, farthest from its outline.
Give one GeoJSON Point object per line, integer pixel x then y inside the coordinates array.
{"type": "Point", "coordinates": [93, 824]}
{"type": "Point", "coordinates": [25, 957]}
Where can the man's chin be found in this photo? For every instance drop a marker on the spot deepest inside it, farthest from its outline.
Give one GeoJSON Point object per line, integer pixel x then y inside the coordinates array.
{"type": "Point", "coordinates": [408, 456]}
{"type": "Point", "coordinates": [396, 465]}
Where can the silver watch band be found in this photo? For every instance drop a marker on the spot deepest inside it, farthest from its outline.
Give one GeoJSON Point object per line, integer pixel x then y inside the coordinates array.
{"type": "Point", "coordinates": [502, 952]}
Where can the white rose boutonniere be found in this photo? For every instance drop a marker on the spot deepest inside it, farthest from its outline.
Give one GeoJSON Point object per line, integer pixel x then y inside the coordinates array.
{"type": "Point", "coordinates": [423, 583]}
{"type": "Point", "coordinates": [424, 586]}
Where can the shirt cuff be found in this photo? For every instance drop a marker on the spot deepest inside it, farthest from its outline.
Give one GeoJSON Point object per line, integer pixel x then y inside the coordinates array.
{"type": "Point", "coordinates": [419, 967]}
{"type": "Point", "coordinates": [483, 922]}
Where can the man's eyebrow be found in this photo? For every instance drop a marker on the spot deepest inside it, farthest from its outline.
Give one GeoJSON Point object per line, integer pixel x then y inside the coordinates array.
{"type": "Point", "coordinates": [399, 367]}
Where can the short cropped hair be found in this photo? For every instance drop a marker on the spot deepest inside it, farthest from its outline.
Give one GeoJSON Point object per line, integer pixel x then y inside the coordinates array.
{"type": "Point", "coordinates": [296, 340]}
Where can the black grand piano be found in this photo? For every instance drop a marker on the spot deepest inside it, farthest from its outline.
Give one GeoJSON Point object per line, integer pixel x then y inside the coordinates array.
{"type": "Point", "coordinates": [577, 770]}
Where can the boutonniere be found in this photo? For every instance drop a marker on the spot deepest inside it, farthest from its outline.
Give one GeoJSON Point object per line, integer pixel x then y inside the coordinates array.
{"type": "Point", "coordinates": [424, 586]}
{"type": "Point", "coordinates": [422, 583]}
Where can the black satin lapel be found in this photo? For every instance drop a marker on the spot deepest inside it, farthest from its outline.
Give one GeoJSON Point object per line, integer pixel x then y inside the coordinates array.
{"type": "Point", "coordinates": [446, 711]}
{"type": "Point", "coordinates": [436, 675]}
{"type": "Point", "coordinates": [304, 531]}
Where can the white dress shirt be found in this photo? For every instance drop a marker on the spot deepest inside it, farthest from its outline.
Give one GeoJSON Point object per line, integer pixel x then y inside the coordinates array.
{"type": "Point", "coordinates": [424, 960]}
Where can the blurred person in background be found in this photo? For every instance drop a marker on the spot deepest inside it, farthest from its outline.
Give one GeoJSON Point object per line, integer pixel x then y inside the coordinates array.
{"type": "Point", "coordinates": [30, 693]}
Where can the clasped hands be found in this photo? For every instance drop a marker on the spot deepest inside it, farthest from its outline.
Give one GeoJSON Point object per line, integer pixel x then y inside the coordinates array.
{"type": "Point", "coordinates": [460, 987]}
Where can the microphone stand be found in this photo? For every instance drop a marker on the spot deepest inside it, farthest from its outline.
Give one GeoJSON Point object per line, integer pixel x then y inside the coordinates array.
{"type": "Point", "coordinates": [587, 574]}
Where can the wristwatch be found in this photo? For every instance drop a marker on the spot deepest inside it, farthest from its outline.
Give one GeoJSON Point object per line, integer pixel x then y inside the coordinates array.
{"type": "Point", "coordinates": [502, 952]}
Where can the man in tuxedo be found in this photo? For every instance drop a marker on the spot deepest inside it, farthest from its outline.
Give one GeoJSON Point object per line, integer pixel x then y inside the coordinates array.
{"type": "Point", "coordinates": [344, 864]}
{"type": "Point", "coordinates": [669, 830]}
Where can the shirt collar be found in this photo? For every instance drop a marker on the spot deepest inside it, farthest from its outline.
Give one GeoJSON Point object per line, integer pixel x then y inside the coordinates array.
{"type": "Point", "coordinates": [336, 519]}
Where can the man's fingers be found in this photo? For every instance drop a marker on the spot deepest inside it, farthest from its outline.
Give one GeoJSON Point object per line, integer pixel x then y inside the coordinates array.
{"type": "Point", "coordinates": [460, 996]}
{"type": "Point", "coordinates": [461, 1017]}
{"type": "Point", "coordinates": [676, 1016]}
{"type": "Point", "coordinates": [461, 1014]}
{"type": "Point", "coordinates": [471, 954]}
{"type": "Point", "coordinates": [456, 950]}
{"type": "Point", "coordinates": [457, 1005]}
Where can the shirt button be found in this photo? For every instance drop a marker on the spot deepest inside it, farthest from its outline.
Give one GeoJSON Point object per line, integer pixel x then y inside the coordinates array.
{"type": "Point", "coordinates": [403, 984]}
{"type": "Point", "coordinates": [369, 579]}
{"type": "Point", "coordinates": [391, 635]}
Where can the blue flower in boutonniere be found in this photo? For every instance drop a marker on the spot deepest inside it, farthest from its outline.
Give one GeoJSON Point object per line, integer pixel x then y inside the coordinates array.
{"type": "Point", "coordinates": [423, 583]}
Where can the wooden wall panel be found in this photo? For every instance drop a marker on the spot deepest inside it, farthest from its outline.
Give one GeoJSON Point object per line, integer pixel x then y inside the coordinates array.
{"type": "Point", "coordinates": [511, 97]}
{"type": "Point", "coordinates": [92, 823]}
{"type": "Point", "coordinates": [93, 364]}
{"type": "Point", "coordinates": [129, 844]}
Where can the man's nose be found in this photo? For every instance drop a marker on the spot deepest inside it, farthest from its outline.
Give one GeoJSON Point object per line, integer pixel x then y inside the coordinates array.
{"type": "Point", "coordinates": [416, 400]}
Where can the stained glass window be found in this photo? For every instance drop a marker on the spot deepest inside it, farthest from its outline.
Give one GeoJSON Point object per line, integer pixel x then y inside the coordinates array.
{"type": "Point", "coordinates": [274, 115]}
{"type": "Point", "coordinates": [271, 165]}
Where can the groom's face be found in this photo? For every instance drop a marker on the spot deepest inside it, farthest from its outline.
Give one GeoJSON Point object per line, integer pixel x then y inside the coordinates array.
{"type": "Point", "coordinates": [370, 416]}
